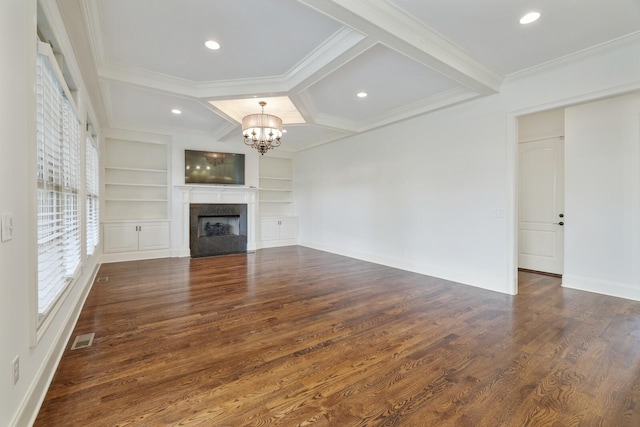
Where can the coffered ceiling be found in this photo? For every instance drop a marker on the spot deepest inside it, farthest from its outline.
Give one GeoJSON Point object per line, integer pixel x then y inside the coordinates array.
{"type": "Point", "coordinates": [309, 58]}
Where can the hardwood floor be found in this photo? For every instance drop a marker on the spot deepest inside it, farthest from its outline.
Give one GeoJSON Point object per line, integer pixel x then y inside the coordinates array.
{"type": "Point", "coordinates": [298, 337]}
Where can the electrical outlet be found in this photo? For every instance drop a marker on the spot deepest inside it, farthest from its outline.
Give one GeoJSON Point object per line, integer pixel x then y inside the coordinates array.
{"type": "Point", "coordinates": [16, 370]}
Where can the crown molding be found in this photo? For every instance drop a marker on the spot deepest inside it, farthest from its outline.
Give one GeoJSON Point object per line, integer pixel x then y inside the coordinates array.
{"type": "Point", "coordinates": [242, 88]}
{"type": "Point", "coordinates": [612, 45]}
{"type": "Point", "coordinates": [137, 135]}
{"type": "Point", "coordinates": [93, 16]}
{"type": "Point", "coordinates": [108, 104]}
{"type": "Point", "coordinates": [145, 79]}
{"type": "Point", "coordinates": [326, 120]}
{"type": "Point", "coordinates": [129, 126]}
{"type": "Point", "coordinates": [323, 142]}
{"type": "Point", "coordinates": [435, 102]}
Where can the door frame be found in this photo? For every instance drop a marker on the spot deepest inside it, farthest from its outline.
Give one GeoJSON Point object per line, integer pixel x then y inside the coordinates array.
{"type": "Point", "coordinates": [512, 167]}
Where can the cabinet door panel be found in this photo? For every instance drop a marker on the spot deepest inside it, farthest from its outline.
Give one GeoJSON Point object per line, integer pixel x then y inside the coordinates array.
{"type": "Point", "coordinates": [269, 229]}
{"type": "Point", "coordinates": [288, 228]}
{"type": "Point", "coordinates": [153, 236]}
{"type": "Point", "coordinates": [120, 238]}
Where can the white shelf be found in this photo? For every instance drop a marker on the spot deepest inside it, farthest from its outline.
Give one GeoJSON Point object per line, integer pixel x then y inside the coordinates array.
{"type": "Point", "coordinates": [128, 221]}
{"type": "Point", "coordinates": [136, 169]}
{"type": "Point", "coordinates": [136, 181]}
{"type": "Point", "coordinates": [137, 200]}
{"type": "Point", "coordinates": [135, 185]}
{"type": "Point", "coordinates": [276, 187]}
{"type": "Point", "coordinates": [277, 178]}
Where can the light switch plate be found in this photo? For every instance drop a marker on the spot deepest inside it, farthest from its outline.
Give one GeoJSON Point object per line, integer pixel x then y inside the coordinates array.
{"type": "Point", "coordinates": [6, 221]}
{"type": "Point", "coordinates": [497, 213]}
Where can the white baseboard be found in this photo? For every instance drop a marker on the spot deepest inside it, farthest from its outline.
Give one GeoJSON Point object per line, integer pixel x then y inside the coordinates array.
{"type": "Point", "coordinates": [277, 243]}
{"type": "Point", "coordinates": [180, 253]}
{"type": "Point", "coordinates": [135, 256]}
{"type": "Point", "coordinates": [604, 287]}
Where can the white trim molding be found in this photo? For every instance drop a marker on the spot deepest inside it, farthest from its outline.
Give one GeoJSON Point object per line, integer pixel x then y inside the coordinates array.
{"type": "Point", "coordinates": [621, 290]}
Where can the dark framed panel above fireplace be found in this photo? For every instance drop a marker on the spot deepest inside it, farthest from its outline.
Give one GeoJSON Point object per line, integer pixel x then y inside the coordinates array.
{"type": "Point", "coordinates": [217, 229]}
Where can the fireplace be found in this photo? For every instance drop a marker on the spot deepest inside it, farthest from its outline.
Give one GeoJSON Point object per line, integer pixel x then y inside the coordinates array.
{"type": "Point", "coordinates": [211, 226]}
{"type": "Point", "coordinates": [217, 229]}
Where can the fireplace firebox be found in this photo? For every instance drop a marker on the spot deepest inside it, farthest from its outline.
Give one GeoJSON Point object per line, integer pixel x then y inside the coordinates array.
{"type": "Point", "coordinates": [217, 229]}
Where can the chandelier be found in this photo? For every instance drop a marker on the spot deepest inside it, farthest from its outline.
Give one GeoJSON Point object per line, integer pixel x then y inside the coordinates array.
{"type": "Point", "coordinates": [262, 131]}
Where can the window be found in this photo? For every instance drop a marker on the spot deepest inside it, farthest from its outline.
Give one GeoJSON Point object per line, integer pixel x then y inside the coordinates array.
{"type": "Point", "coordinates": [58, 177]}
{"type": "Point", "coordinates": [93, 219]}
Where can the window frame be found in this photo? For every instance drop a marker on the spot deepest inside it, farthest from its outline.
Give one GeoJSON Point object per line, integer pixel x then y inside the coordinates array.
{"type": "Point", "coordinates": [43, 320]}
{"type": "Point", "coordinates": [92, 193]}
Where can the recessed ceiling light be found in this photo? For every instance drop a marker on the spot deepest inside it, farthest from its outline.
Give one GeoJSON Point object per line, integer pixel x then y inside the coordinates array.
{"type": "Point", "coordinates": [176, 111]}
{"type": "Point", "coordinates": [213, 45]}
{"type": "Point", "coordinates": [362, 94]}
{"type": "Point", "coordinates": [529, 18]}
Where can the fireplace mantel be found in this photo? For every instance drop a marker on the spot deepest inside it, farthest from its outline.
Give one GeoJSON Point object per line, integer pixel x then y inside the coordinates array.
{"type": "Point", "coordinates": [184, 195]}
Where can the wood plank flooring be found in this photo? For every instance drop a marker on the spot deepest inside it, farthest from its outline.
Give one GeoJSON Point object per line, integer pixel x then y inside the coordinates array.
{"type": "Point", "coordinates": [298, 337]}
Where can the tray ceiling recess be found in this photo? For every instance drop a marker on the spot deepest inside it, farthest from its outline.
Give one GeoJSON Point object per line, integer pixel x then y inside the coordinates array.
{"type": "Point", "coordinates": [142, 59]}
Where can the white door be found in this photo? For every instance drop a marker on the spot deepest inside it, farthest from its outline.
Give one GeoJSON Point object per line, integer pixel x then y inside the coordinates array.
{"type": "Point", "coordinates": [541, 206]}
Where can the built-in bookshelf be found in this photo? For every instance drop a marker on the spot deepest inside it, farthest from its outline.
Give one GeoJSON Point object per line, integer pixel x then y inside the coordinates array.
{"type": "Point", "coordinates": [136, 200]}
{"type": "Point", "coordinates": [136, 180]}
{"type": "Point", "coordinates": [276, 187]}
{"type": "Point", "coordinates": [278, 223]}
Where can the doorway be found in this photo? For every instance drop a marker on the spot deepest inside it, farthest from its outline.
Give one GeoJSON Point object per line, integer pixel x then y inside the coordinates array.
{"type": "Point", "coordinates": [541, 217]}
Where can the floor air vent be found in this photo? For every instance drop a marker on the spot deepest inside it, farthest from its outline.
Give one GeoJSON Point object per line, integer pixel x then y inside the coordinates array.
{"type": "Point", "coordinates": [102, 279]}
{"type": "Point", "coordinates": [83, 341]}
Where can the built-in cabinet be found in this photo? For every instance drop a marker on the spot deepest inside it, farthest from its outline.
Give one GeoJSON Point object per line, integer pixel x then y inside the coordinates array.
{"type": "Point", "coordinates": [136, 196]}
{"type": "Point", "coordinates": [278, 223]}
{"type": "Point", "coordinates": [278, 228]}
{"type": "Point", "coordinates": [133, 237]}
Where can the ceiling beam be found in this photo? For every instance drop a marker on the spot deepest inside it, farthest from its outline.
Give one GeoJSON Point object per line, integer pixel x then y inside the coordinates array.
{"type": "Point", "coordinates": [402, 32]}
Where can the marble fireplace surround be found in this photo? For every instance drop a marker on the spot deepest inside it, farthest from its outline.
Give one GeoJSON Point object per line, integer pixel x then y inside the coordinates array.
{"type": "Point", "coordinates": [184, 196]}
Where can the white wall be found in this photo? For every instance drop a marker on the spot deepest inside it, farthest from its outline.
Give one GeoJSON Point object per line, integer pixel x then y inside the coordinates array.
{"type": "Point", "coordinates": [15, 30]}
{"type": "Point", "coordinates": [542, 125]}
{"type": "Point", "coordinates": [434, 205]}
{"type": "Point", "coordinates": [415, 200]}
{"type": "Point", "coordinates": [19, 403]}
{"type": "Point", "coordinates": [602, 178]}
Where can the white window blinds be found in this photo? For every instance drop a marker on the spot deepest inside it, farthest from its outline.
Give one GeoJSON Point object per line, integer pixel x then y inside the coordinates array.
{"type": "Point", "coordinates": [92, 214]}
{"type": "Point", "coordinates": [58, 151]}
